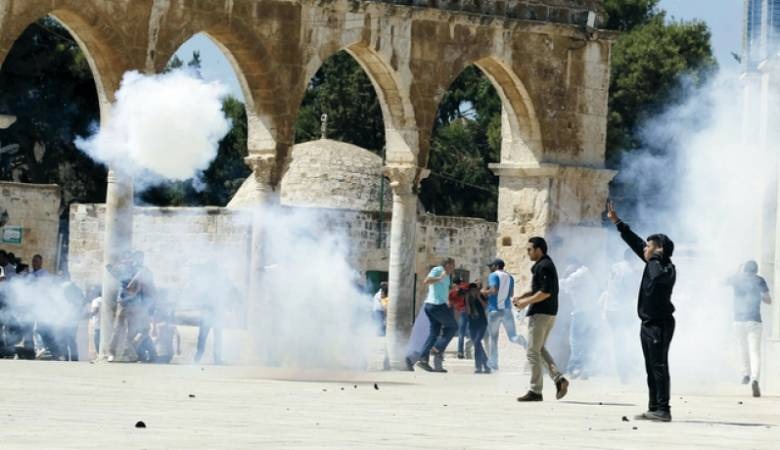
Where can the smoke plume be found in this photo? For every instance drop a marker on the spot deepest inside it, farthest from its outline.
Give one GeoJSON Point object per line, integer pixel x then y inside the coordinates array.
{"type": "Point", "coordinates": [161, 127]}
{"type": "Point", "coordinates": [706, 189]}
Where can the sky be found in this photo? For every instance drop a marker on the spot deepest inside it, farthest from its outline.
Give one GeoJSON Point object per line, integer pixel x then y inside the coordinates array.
{"type": "Point", "coordinates": [724, 18]}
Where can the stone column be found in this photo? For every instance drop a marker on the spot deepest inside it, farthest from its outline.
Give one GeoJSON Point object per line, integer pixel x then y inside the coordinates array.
{"type": "Point", "coordinates": [768, 114]}
{"type": "Point", "coordinates": [258, 323]}
{"type": "Point", "coordinates": [559, 203]}
{"type": "Point", "coordinates": [403, 181]}
{"type": "Point", "coordinates": [757, 133]}
{"type": "Point", "coordinates": [118, 240]}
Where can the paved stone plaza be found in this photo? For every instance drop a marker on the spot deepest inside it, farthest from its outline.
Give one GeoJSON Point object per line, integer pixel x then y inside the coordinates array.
{"type": "Point", "coordinates": [82, 405]}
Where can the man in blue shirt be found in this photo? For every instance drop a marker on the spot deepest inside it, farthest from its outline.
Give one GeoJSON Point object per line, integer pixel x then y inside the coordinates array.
{"type": "Point", "coordinates": [749, 291]}
{"type": "Point", "coordinates": [499, 292]}
{"type": "Point", "coordinates": [443, 325]}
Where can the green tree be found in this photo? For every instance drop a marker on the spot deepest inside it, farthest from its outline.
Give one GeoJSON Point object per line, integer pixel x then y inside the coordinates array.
{"type": "Point", "coordinates": [625, 15]}
{"type": "Point", "coordinates": [466, 138]}
{"type": "Point", "coordinates": [467, 132]}
{"type": "Point", "coordinates": [653, 61]}
{"type": "Point", "coordinates": [47, 84]}
{"type": "Point", "coordinates": [655, 64]}
{"type": "Point", "coordinates": [343, 91]}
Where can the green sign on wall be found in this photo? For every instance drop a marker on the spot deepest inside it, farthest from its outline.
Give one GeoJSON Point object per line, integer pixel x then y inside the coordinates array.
{"type": "Point", "coordinates": [11, 235]}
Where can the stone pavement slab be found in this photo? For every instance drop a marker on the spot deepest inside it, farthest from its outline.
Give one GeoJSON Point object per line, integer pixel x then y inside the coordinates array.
{"type": "Point", "coordinates": [85, 406]}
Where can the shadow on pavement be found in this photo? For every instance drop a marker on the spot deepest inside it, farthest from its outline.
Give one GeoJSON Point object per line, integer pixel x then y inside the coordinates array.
{"type": "Point", "coordinates": [732, 424]}
{"type": "Point", "coordinates": [571, 402]}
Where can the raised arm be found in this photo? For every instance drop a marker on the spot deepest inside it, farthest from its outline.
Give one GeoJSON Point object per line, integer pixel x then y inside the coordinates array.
{"type": "Point", "coordinates": [635, 243]}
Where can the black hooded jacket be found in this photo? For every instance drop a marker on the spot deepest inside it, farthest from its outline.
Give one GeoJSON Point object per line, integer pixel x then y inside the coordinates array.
{"type": "Point", "coordinates": [655, 292]}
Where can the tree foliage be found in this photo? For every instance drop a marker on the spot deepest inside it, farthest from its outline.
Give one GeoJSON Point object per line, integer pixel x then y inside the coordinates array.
{"type": "Point", "coordinates": [343, 91]}
{"type": "Point", "coordinates": [466, 138]}
{"type": "Point", "coordinates": [625, 15]}
{"type": "Point", "coordinates": [467, 132]}
{"type": "Point", "coordinates": [47, 84]}
{"type": "Point", "coordinates": [653, 62]}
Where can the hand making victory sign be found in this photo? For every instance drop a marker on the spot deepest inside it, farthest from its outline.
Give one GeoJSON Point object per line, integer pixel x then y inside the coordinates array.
{"type": "Point", "coordinates": [611, 214]}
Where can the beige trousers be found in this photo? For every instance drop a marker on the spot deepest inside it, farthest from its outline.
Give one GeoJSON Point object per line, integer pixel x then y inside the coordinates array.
{"type": "Point", "coordinates": [539, 327]}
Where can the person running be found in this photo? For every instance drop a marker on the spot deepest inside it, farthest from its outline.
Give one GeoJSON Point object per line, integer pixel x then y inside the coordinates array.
{"type": "Point", "coordinates": [655, 310]}
{"type": "Point", "coordinates": [443, 326]}
{"type": "Point", "coordinates": [457, 301]}
{"type": "Point", "coordinates": [477, 320]}
{"type": "Point", "coordinates": [500, 290]}
{"type": "Point", "coordinates": [749, 291]}
{"type": "Point", "coordinates": [542, 303]}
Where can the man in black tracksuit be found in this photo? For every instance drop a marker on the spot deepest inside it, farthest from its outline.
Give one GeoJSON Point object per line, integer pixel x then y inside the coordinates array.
{"type": "Point", "coordinates": [655, 310]}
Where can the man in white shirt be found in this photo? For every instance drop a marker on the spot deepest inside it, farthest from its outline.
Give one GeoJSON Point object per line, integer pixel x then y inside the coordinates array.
{"type": "Point", "coordinates": [499, 293]}
{"type": "Point", "coordinates": [379, 308]}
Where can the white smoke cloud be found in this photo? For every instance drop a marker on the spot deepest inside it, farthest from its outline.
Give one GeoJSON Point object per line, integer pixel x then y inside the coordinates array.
{"type": "Point", "coordinates": [161, 127]}
{"type": "Point", "coordinates": [320, 318]}
{"type": "Point", "coordinates": [312, 312]}
{"type": "Point", "coordinates": [706, 191]}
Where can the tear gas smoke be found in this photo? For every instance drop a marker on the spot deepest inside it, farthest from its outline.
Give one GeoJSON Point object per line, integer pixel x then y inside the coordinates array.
{"type": "Point", "coordinates": [312, 312]}
{"type": "Point", "coordinates": [168, 126]}
{"type": "Point", "coordinates": [317, 312]}
{"type": "Point", "coordinates": [161, 127]}
{"type": "Point", "coordinates": [706, 191]}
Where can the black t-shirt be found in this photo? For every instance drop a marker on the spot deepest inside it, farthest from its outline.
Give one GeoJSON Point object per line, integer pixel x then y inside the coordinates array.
{"type": "Point", "coordinates": [748, 291]}
{"type": "Point", "coordinates": [545, 279]}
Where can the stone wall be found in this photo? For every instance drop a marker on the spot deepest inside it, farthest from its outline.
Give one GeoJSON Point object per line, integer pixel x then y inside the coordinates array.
{"type": "Point", "coordinates": [471, 242]}
{"type": "Point", "coordinates": [35, 208]}
{"type": "Point", "coordinates": [170, 236]}
{"type": "Point", "coordinates": [551, 73]}
{"type": "Point", "coordinates": [560, 11]}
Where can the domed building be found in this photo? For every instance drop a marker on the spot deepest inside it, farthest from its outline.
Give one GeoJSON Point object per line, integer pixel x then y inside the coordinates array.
{"type": "Point", "coordinates": [344, 183]}
{"type": "Point", "coordinates": [329, 174]}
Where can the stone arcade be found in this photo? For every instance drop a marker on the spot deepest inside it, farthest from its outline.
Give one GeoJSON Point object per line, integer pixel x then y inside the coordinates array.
{"type": "Point", "coordinates": [546, 59]}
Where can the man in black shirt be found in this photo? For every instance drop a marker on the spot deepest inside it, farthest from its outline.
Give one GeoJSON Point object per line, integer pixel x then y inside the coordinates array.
{"type": "Point", "coordinates": [542, 300]}
{"type": "Point", "coordinates": [749, 291]}
{"type": "Point", "coordinates": [655, 310]}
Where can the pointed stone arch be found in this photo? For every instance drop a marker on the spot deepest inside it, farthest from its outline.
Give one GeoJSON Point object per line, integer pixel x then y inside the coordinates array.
{"type": "Point", "coordinates": [106, 62]}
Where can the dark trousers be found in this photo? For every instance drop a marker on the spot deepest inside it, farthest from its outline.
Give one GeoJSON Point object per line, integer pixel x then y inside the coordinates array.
{"type": "Point", "coordinates": [463, 331]}
{"type": "Point", "coordinates": [443, 327]}
{"type": "Point", "coordinates": [50, 341]}
{"type": "Point", "coordinates": [145, 350]}
{"type": "Point", "coordinates": [656, 336]}
{"type": "Point", "coordinates": [477, 329]}
{"type": "Point", "coordinates": [69, 347]}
